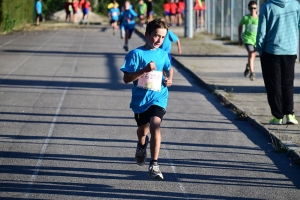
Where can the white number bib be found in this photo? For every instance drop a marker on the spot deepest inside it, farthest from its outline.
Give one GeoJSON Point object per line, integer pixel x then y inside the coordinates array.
{"type": "Point", "coordinates": [151, 81]}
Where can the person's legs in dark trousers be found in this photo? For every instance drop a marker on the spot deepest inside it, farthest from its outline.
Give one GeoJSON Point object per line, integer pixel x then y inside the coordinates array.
{"type": "Point", "coordinates": [271, 70]}
{"type": "Point", "coordinates": [287, 83]}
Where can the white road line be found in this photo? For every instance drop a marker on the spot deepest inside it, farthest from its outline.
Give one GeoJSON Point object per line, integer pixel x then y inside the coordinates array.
{"type": "Point", "coordinates": [11, 41]}
{"type": "Point", "coordinates": [175, 173]}
{"type": "Point", "coordinates": [50, 132]}
{"type": "Point", "coordinates": [17, 67]}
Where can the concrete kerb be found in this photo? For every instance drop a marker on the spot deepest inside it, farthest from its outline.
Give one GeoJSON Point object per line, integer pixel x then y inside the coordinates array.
{"type": "Point", "coordinates": [290, 147]}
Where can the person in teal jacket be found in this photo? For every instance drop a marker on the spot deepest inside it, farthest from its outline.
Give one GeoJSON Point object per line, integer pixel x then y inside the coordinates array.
{"type": "Point", "coordinates": [277, 42]}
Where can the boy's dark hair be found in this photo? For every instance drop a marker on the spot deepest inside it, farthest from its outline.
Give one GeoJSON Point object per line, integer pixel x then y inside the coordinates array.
{"type": "Point", "coordinates": [155, 24]}
{"type": "Point", "coordinates": [252, 3]}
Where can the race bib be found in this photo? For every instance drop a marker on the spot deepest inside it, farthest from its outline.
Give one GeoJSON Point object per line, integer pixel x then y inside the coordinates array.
{"type": "Point", "coordinates": [252, 28]}
{"type": "Point", "coordinates": [151, 81]}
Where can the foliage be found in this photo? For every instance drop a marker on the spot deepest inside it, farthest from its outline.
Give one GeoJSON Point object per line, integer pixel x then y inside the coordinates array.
{"type": "Point", "coordinates": [15, 13]}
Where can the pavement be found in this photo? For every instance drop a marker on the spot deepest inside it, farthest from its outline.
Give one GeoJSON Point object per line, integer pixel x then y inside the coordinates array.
{"type": "Point", "coordinates": [220, 70]}
{"type": "Point", "coordinates": [67, 132]}
{"type": "Point", "coordinates": [218, 65]}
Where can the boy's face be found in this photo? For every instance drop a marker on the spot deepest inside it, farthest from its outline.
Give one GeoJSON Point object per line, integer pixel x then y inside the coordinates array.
{"type": "Point", "coordinates": [127, 5]}
{"type": "Point", "coordinates": [156, 38]}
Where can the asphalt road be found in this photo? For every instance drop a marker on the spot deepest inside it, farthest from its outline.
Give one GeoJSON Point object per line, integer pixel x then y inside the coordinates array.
{"type": "Point", "coordinates": [66, 130]}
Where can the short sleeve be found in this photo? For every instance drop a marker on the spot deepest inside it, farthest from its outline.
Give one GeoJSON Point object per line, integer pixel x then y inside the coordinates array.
{"type": "Point", "coordinates": [167, 64]}
{"type": "Point", "coordinates": [242, 22]}
{"type": "Point", "coordinates": [131, 62]}
{"type": "Point", "coordinates": [173, 37]}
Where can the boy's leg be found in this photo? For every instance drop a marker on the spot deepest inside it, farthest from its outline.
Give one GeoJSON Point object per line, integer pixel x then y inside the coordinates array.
{"type": "Point", "coordinates": [155, 141]}
{"type": "Point", "coordinates": [142, 132]}
{"type": "Point", "coordinates": [126, 37]}
{"type": "Point", "coordinates": [251, 58]}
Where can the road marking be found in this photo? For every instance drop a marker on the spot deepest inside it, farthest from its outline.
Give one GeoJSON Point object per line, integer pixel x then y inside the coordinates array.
{"type": "Point", "coordinates": [11, 41]}
{"type": "Point", "coordinates": [50, 132]}
{"type": "Point", "coordinates": [17, 67]}
{"type": "Point", "coordinates": [175, 173]}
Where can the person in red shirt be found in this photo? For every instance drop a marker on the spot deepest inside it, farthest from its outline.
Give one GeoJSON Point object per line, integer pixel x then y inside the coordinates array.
{"type": "Point", "coordinates": [166, 7]}
{"type": "Point", "coordinates": [180, 11]}
{"type": "Point", "coordinates": [68, 9]}
{"type": "Point", "coordinates": [173, 10]}
{"type": "Point", "coordinates": [81, 2]}
{"type": "Point", "coordinates": [75, 10]}
{"type": "Point", "coordinates": [86, 7]}
{"type": "Point", "coordinates": [200, 10]}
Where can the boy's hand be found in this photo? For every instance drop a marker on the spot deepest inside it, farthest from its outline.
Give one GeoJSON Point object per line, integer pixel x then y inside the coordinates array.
{"type": "Point", "coordinates": [168, 82]}
{"type": "Point", "coordinates": [179, 51]}
{"type": "Point", "coordinates": [150, 67]}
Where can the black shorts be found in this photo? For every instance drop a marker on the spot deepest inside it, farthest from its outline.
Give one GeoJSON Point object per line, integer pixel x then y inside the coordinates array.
{"type": "Point", "coordinates": [144, 118]}
{"type": "Point", "coordinates": [112, 21]}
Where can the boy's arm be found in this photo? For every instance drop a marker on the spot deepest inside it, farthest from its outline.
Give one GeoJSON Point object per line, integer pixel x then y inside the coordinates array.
{"type": "Point", "coordinates": [169, 77]}
{"type": "Point", "coordinates": [240, 34]}
{"type": "Point", "coordinates": [179, 46]}
{"type": "Point", "coordinates": [132, 76]}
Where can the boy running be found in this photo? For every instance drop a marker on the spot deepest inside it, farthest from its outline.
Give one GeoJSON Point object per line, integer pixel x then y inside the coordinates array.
{"type": "Point", "coordinates": [142, 11]}
{"type": "Point", "coordinates": [128, 17]}
{"type": "Point", "coordinates": [144, 66]}
{"type": "Point", "coordinates": [167, 44]}
{"type": "Point", "coordinates": [249, 37]}
{"type": "Point", "coordinates": [114, 17]}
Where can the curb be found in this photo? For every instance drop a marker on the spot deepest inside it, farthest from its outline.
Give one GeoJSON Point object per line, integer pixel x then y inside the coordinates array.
{"type": "Point", "coordinates": [290, 147]}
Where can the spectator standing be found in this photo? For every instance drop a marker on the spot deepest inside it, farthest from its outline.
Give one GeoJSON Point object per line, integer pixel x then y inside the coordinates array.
{"type": "Point", "coordinates": [86, 8]}
{"type": "Point", "coordinates": [166, 7]}
{"type": "Point", "coordinates": [173, 11]}
{"type": "Point", "coordinates": [75, 10]}
{"type": "Point", "coordinates": [38, 9]}
{"type": "Point", "coordinates": [277, 43]}
{"type": "Point", "coordinates": [68, 10]}
{"type": "Point", "coordinates": [180, 12]}
{"type": "Point", "coordinates": [150, 11]}
{"type": "Point", "coordinates": [200, 10]}
{"type": "Point", "coordinates": [250, 22]}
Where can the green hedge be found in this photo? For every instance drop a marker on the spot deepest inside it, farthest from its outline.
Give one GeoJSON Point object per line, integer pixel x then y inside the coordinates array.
{"type": "Point", "coordinates": [14, 13]}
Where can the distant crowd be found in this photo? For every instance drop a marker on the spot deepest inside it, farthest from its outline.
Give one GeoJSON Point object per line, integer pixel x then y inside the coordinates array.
{"type": "Point", "coordinates": [72, 6]}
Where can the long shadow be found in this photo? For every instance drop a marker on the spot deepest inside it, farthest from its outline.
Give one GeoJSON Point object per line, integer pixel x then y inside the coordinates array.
{"type": "Point", "coordinates": [64, 53]}
{"type": "Point", "coordinates": [284, 165]}
{"type": "Point", "coordinates": [101, 191]}
{"type": "Point", "coordinates": [94, 117]}
{"type": "Point", "coordinates": [211, 56]}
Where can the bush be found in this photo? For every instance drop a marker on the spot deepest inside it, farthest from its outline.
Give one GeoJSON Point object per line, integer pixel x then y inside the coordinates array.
{"type": "Point", "coordinates": [23, 12]}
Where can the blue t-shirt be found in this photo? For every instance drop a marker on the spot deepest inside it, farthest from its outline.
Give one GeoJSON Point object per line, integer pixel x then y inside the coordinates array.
{"type": "Point", "coordinates": [114, 13]}
{"type": "Point", "coordinates": [138, 59]}
{"type": "Point", "coordinates": [167, 44]}
{"type": "Point", "coordinates": [38, 7]}
{"type": "Point", "coordinates": [131, 15]}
